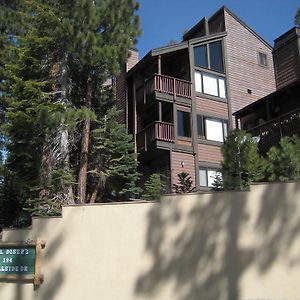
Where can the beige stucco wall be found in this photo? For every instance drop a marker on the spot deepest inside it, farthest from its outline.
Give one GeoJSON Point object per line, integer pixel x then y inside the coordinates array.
{"type": "Point", "coordinates": [221, 246]}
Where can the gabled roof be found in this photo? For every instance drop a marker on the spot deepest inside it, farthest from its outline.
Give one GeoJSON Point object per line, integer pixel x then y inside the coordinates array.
{"type": "Point", "coordinates": [194, 29]}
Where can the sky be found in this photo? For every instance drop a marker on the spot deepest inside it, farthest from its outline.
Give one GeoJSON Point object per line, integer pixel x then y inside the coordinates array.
{"type": "Point", "coordinates": [166, 20]}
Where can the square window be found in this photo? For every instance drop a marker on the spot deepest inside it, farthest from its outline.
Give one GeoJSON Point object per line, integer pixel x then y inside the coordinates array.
{"type": "Point", "coordinates": [207, 176]}
{"type": "Point", "coordinates": [214, 130]}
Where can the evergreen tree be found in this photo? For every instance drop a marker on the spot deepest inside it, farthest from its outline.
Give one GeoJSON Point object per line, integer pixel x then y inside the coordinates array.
{"type": "Point", "coordinates": [242, 164]}
{"type": "Point", "coordinates": [297, 18]}
{"type": "Point", "coordinates": [185, 183]}
{"type": "Point", "coordinates": [153, 188]}
{"type": "Point", "coordinates": [283, 161]}
{"type": "Point", "coordinates": [53, 92]}
{"type": "Point", "coordinates": [113, 161]}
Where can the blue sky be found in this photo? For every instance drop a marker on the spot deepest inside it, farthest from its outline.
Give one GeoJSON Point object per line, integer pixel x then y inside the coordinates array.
{"type": "Point", "coordinates": [165, 20]}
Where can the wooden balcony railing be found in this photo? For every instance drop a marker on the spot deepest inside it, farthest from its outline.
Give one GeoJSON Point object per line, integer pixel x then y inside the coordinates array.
{"type": "Point", "coordinates": [156, 131]}
{"type": "Point", "coordinates": [165, 84]}
{"type": "Point", "coordinates": [272, 131]}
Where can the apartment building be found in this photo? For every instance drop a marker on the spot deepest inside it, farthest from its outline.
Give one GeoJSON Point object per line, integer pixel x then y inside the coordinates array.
{"type": "Point", "coordinates": [178, 100]}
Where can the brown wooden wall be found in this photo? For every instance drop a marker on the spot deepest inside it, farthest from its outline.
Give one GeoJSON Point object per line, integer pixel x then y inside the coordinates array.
{"type": "Point", "coordinates": [176, 168]}
{"type": "Point", "coordinates": [210, 153]}
{"type": "Point", "coordinates": [244, 72]}
{"type": "Point", "coordinates": [205, 105]}
{"type": "Point", "coordinates": [287, 63]}
{"type": "Point", "coordinates": [121, 85]}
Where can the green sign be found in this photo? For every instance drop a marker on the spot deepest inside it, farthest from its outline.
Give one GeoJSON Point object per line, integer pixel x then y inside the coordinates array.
{"type": "Point", "coordinates": [17, 261]}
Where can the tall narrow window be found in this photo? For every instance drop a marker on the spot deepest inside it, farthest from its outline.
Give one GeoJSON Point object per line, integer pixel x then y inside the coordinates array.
{"type": "Point", "coordinates": [183, 123]}
{"type": "Point", "coordinates": [262, 59]}
{"type": "Point", "coordinates": [200, 56]}
{"type": "Point", "coordinates": [216, 57]}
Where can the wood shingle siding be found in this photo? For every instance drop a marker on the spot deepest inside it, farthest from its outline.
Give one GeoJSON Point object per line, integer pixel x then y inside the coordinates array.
{"type": "Point", "coordinates": [287, 63]}
{"type": "Point", "coordinates": [210, 153]}
{"type": "Point", "coordinates": [243, 69]}
{"type": "Point", "coordinates": [205, 105]}
{"type": "Point", "coordinates": [189, 166]}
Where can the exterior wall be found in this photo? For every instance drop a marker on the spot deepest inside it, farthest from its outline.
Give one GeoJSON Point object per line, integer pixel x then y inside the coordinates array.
{"type": "Point", "coordinates": [217, 108]}
{"type": "Point", "coordinates": [121, 85]}
{"type": "Point", "coordinates": [176, 167]}
{"type": "Point", "coordinates": [210, 153]}
{"type": "Point", "coordinates": [229, 246]}
{"type": "Point", "coordinates": [243, 70]}
{"type": "Point", "coordinates": [287, 63]}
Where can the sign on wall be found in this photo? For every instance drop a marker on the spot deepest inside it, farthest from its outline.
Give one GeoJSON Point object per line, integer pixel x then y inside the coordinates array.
{"type": "Point", "coordinates": [21, 262]}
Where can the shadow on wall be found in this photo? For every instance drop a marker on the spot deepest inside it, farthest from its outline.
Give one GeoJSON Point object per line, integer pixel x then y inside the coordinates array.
{"type": "Point", "coordinates": [204, 259]}
{"type": "Point", "coordinates": [52, 283]}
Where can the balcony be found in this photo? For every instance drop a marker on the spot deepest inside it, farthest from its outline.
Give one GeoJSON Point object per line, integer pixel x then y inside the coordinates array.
{"type": "Point", "coordinates": [272, 131]}
{"type": "Point", "coordinates": [164, 84]}
{"type": "Point", "coordinates": [157, 131]}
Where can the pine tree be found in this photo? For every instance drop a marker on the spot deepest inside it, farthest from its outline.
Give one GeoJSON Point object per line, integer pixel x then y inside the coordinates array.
{"type": "Point", "coordinates": [153, 187]}
{"type": "Point", "coordinates": [242, 164]}
{"type": "Point", "coordinates": [113, 160]}
{"type": "Point", "coordinates": [283, 161]}
{"type": "Point", "coordinates": [54, 93]}
{"type": "Point", "coordinates": [185, 183]}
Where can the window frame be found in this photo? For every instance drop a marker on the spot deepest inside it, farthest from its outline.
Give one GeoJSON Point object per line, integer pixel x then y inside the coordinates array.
{"type": "Point", "coordinates": [217, 77]}
{"type": "Point", "coordinates": [202, 119]}
{"type": "Point", "coordinates": [261, 61]}
{"type": "Point", "coordinates": [208, 56]}
{"type": "Point", "coordinates": [206, 170]}
{"type": "Point", "coordinates": [190, 124]}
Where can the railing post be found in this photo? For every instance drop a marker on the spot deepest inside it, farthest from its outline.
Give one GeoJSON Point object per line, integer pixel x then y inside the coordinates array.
{"type": "Point", "coordinates": [174, 88]}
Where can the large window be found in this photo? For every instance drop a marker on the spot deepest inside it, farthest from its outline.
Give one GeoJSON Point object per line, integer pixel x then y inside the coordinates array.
{"type": "Point", "coordinates": [212, 129]}
{"type": "Point", "coordinates": [209, 56]}
{"type": "Point", "coordinates": [207, 176]}
{"type": "Point", "coordinates": [183, 123]}
{"type": "Point", "coordinates": [210, 84]}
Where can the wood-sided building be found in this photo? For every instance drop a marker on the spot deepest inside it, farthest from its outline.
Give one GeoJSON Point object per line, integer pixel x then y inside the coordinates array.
{"type": "Point", "coordinates": [180, 98]}
{"type": "Point", "coordinates": [277, 114]}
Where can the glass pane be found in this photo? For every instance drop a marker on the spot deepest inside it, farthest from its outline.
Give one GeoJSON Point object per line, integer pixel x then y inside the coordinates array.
{"type": "Point", "coordinates": [200, 125]}
{"type": "Point", "coordinates": [222, 88]}
{"type": "Point", "coordinates": [203, 177]}
{"type": "Point", "coordinates": [225, 129]}
{"type": "Point", "coordinates": [214, 130]}
{"type": "Point", "coordinates": [216, 58]}
{"type": "Point", "coordinates": [210, 85]}
{"type": "Point", "coordinates": [183, 123]}
{"type": "Point", "coordinates": [198, 82]}
{"type": "Point", "coordinates": [200, 56]}
{"type": "Point", "coordinates": [211, 175]}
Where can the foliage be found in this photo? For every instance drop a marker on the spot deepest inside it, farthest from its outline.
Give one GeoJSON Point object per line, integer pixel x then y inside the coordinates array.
{"type": "Point", "coordinates": [185, 183]}
{"type": "Point", "coordinates": [283, 161]}
{"type": "Point", "coordinates": [242, 164]}
{"type": "Point", "coordinates": [218, 182]}
{"type": "Point", "coordinates": [54, 57]}
{"type": "Point", "coordinates": [297, 18]}
{"type": "Point", "coordinates": [153, 187]}
{"type": "Point", "coordinates": [113, 160]}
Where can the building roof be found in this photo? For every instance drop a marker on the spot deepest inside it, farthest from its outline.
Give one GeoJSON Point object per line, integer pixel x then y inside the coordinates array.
{"type": "Point", "coordinates": [189, 33]}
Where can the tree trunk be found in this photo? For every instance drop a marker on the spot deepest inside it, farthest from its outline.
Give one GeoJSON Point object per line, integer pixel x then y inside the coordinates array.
{"type": "Point", "coordinates": [99, 186]}
{"type": "Point", "coordinates": [82, 177]}
{"type": "Point", "coordinates": [45, 175]}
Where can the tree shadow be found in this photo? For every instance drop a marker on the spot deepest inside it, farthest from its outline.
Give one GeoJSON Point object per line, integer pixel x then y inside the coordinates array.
{"type": "Point", "coordinates": [204, 257]}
